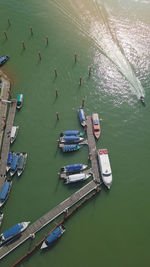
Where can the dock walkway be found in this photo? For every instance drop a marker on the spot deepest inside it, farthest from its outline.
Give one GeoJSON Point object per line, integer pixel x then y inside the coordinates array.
{"type": "Point", "coordinates": [6, 142]}
{"type": "Point", "coordinates": [50, 216]}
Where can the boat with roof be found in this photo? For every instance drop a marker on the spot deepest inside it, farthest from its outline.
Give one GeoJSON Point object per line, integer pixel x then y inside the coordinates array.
{"type": "Point", "coordinates": [71, 139]}
{"type": "Point", "coordinates": [21, 163]}
{"type": "Point", "coordinates": [70, 148]}
{"type": "Point", "coordinates": [13, 167]}
{"type": "Point", "coordinates": [13, 232]}
{"type": "Point", "coordinates": [74, 178]}
{"type": "Point", "coordinates": [3, 59]}
{"type": "Point", "coordinates": [104, 167]}
{"type": "Point", "coordinates": [9, 160]}
{"type": "Point", "coordinates": [72, 133]}
{"type": "Point", "coordinates": [19, 101]}
{"type": "Point", "coordinates": [13, 134]}
{"type": "Point", "coordinates": [72, 168]}
{"type": "Point", "coordinates": [82, 117]}
{"type": "Point", "coordinates": [53, 236]}
{"type": "Point", "coordinates": [5, 192]}
{"type": "Point", "coordinates": [1, 217]}
{"type": "Point", "coordinates": [96, 125]}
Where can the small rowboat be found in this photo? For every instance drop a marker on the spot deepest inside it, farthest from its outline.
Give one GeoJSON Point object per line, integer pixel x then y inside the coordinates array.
{"type": "Point", "coordinates": [14, 164]}
{"type": "Point", "coordinates": [82, 117]}
{"type": "Point", "coordinates": [54, 235]}
{"type": "Point", "coordinates": [96, 125]}
{"type": "Point", "coordinates": [74, 178]}
{"type": "Point", "coordinates": [73, 168]}
{"type": "Point", "coordinates": [71, 139]}
{"type": "Point", "coordinates": [70, 148]}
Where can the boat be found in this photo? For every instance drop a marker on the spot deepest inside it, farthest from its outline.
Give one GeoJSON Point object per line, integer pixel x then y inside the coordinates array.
{"type": "Point", "coordinates": [76, 178]}
{"type": "Point", "coordinates": [13, 134]}
{"type": "Point", "coordinates": [82, 117]}
{"type": "Point", "coordinates": [9, 160]}
{"type": "Point", "coordinates": [21, 163]}
{"type": "Point", "coordinates": [104, 167]}
{"type": "Point", "coordinates": [142, 99]}
{"type": "Point", "coordinates": [19, 100]}
{"type": "Point", "coordinates": [13, 232]}
{"type": "Point", "coordinates": [73, 168]}
{"type": "Point", "coordinates": [13, 167]}
{"type": "Point", "coordinates": [71, 139]}
{"type": "Point", "coordinates": [5, 192]}
{"type": "Point", "coordinates": [96, 125]}
{"type": "Point", "coordinates": [1, 217]}
{"type": "Point", "coordinates": [70, 148]}
{"type": "Point", "coordinates": [53, 236]}
{"type": "Point", "coordinates": [3, 60]}
{"type": "Point", "coordinates": [72, 132]}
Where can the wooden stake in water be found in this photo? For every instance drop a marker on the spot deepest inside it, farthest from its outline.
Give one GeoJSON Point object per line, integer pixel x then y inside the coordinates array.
{"type": "Point", "coordinates": [47, 40]}
{"type": "Point", "coordinates": [9, 22]}
{"type": "Point", "coordinates": [5, 35]}
{"type": "Point", "coordinates": [23, 45]}
{"type": "Point", "coordinates": [89, 71]}
{"type": "Point", "coordinates": [39, 55]}
{"type": "Point", "coordinates": [55, 71]}
{"type": "Point", "coordinates": [75, 58]}
{"type": "Point", "coordinates": [57, 115]}
{"type": "Point", "coordinates": [80, 81]}
{"type": "Point", "coordinates": [31, 30]}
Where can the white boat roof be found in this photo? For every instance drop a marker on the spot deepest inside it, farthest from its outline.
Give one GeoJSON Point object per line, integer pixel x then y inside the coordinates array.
{"type": "Point", "coordinates": [77, 177]}
{"type": "Point", "coordinates": [104, 161]}
{"type": "Point", "coordinates": [13, 131]}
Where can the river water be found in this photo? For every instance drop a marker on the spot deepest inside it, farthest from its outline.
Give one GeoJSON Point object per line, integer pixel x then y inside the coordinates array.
{"type": "Point", "coordinates": [113, 38]}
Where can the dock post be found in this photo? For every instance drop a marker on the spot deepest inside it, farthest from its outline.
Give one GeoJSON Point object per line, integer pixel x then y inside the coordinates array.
{"type": "Point", "coordinates": [82, 103]}
{"type": "Point", "coordinates": [80, 81]}
{"type": "Point", "coordinates": [57, 115]}
{"type": "Point", "coordinates": [9, 22]}
{"type": "Point", "coordinates": [5, 35]}
{"type": "Point", "coordinates": [56, 92]}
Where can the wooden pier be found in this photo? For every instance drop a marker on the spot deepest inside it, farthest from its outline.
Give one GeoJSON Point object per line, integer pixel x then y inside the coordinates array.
{"type": "Point", "coordinates": [6, 142]}
{"type": "Point", "coordinates": [63, 207]}
{"type": "Point", "coordinates": [92, 151]}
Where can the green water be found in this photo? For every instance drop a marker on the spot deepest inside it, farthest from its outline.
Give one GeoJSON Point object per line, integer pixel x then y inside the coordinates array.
{"type": "Point", "coordinates": [111, 37]}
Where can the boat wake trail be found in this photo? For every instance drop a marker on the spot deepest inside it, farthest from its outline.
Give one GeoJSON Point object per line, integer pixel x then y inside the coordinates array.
{"type": "Point", "coordinates": [92, 18]}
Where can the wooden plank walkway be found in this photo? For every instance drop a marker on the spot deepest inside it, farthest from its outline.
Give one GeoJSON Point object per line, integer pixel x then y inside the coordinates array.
{"type": "Point", "coordinates": [64, 175]}
{"type": "Point", "coordinates": [92, 151]}
{"type": "Point", "coordinates": [50, 216]}
{"type": "Point", "coordinates": [6, 142]}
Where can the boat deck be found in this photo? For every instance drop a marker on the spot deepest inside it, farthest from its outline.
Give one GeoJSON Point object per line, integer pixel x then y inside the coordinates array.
{"type": "Point", "coordinates": [64, 175]}
{"type": "Point", "coordinates": [85, 142]}
{"type": "Point", "coordinates": [6, 142]}
{"type": "Point", "coordinates": [50, 216]}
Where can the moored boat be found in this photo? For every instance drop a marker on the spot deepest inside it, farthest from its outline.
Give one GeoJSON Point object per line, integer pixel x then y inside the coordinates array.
{"type": "Point", "coordinates": [21, 163]}
{"type": "Point", "coordinates": [5, 192]}
{"type": "Point", "coordinates": [70, 148]}
{"type": "Point", "coordinates": [74, 178]}
{"type": "Point", "coordinates": [3, 59]}
{"type": "Point", "coordinates": [96, 125]}
{"type": "Point", "coordinates": [1, 217]}
{"type": "Point", "coordinates": [13, 167]}
{"type": "Point", "coordinates": [14, 132]}
{"type": "Point", "coordinates": [142, 99]}
{"type": "Point", "coordinates": [54, 235]}
{"type": "Point", "coordinates": [71, 139]}
{"type": "Point", "coordinates": [72, 133]}
{"type": "Point", "coordinates": [19, 100]}
{"type": "Point", "coordinates": [73, 168]}
{"type": "Point", "coordinates": [9, 160]}
{"type": "Point", "coordinates": [82, 117]}
{"type": "Point", "coordinates": [104, 167]}
{"type": "Point", "coordinates": [13, 232]}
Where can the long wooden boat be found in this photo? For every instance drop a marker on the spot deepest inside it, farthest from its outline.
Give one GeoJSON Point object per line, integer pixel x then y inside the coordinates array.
{"type": "Point", "coordinates": [96, 125]}
{"type": "Point", "coordinates": [21, 163]}
{"type": "Point", "coordinates": [72, 168]}
{"type": "Point", "coordinates": [3, 59]}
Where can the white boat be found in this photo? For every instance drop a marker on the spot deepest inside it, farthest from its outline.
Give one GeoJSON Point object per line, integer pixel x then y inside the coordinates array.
{"type": "Point", "coordinates": [1, 217]}
{"type": "Point", "coordinates": [53, 236]}
{"type": "Point", "coordinates": [76, 178]}
{"type": "Point", "coordinates": [104, 166]}
{"type": "Point", "coordinates": [71, 139]}
{"type": "Point", "coordinates": [13, 232]}
{"type": "Point", "coordinates": [14, 132]}
{"type": "Point", "coordinates": [73, 168]}
{"type": "Point", "coordinates": [21, 163]}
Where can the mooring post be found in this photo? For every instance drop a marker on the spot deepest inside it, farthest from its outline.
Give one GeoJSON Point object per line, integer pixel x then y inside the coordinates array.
{"type": "Point", "coordinates": [47, 40]}
{"type": "Point", "coordinates": [5, 35]}
{"type": "Point", "coordinates": [75, 58]}
{"type": "Point", "coordinates": [31, 30]}
{"type": "Point", "coordinates": [9, 21]}
{"type": "Point", "coordinates": [57, 115]}
{"type": "Point", "coordinates": [55, 71]}
{"type": "Point", "coordinates": [39, 55]}
{"type": "Point", "coordinates": [23, 45]}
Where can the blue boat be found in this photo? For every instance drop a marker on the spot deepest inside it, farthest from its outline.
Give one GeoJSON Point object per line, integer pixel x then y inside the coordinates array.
{"type": "Point", "coordinates": [19, 100]}
{"type": "Point", "coordinates": [13, 167]}
{"type": "Point", "coordinates": [72, 168]}
{"type": "Point", "coordinates": [72, 132]}
{"type": "Point", "coordinates": [70, 148]}
{"type": "Point", "coordinates": [5, 192]}
{"type": "Point", "coordinates": [71, 139]}
{"type": "Point", "coordinates": [3, 60]}
{"type": "Point", "coordinates": [9, 160]}
{"type": "Point", "coordinates": [13, 232]}
{"type": "Point", "coordinates": [58, 232]}
{"type": "Point", "coordinates": [82, 117]}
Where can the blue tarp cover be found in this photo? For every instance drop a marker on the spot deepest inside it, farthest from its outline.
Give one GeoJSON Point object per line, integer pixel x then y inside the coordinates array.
{"type": "Point", "coordinates": [54, 235]}
{"type": "Point", "coordinates": [4, 190]}
{"type": "Point", "coordinates": [73, 167]}
{"type": "Point", "coordinates": [73, 132]}
{"type": "Point", "coordinates": [71, 138]}
{"type": "Point", "coordinates": [14, 163]}
{"type": "Point", "coordinates": [10, 158]}
{"type": "Point", "coordinates": [69, 148]}
{"type": "Point", "coordinates": [81, 115]}
{"type": "Point", "coordinates": [96, 122]}
{"type": "Point", "coordinates": [14, 230]}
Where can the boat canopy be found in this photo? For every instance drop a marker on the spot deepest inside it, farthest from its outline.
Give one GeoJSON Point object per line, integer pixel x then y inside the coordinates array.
{"type": "Point", "coordinates": [4, 191]}
{"type": "Point", "coordinates": [71, 138]}
{"type": "Point", "coordinates": [10, 158]}
{"type": "Point", "coordinates": [14, 230]}
{"type": "Point", "coordinates": [21, 162]}
{"type": "Point", "coordinates": [19, 100]}
{"type": "Point", "coordinates": [70, 148]}
{"type": "Point", "coordinates": [73, 132]}
{"type": "Point", "coordinates": [96, 122]}
{"type": "Point", "coordinates": [73, 167]}
{"type": "Point", "coordinates": [54, 235]}
{"type": "Point", "coordinates": [14, 163]}
{"type": "Point", "coordinates": [81, 115]}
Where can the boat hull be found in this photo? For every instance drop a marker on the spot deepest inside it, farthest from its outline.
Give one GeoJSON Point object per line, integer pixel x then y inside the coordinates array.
{"type": "Point", "coordinates": [104, 167]}
{"type": "Point", "coordinates": [96, 125]}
